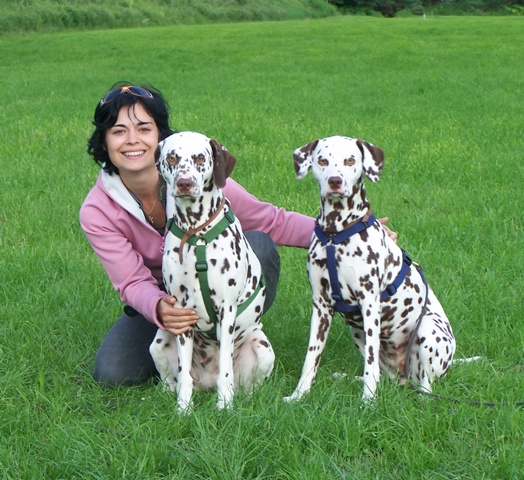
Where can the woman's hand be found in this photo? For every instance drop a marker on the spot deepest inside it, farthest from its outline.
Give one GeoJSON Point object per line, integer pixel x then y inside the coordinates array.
{"type": "Point", "coordinates": [391, 234]}
{"type": "Point", "coordinates": [175, 320]}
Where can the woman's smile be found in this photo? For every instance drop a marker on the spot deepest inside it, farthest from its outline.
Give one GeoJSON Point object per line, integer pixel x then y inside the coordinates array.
{"type": "Point", "coordinates": [135, 153]}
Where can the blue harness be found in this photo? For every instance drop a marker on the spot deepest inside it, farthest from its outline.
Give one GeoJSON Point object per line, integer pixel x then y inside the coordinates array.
{"type": "Point", "coordinates": [330, 243]}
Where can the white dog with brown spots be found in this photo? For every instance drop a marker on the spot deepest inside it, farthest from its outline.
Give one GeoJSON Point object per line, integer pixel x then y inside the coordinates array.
{"type": "Point", "coordinates": [356, 269]}
{"type": "Point", "coordinates": [209, 266]}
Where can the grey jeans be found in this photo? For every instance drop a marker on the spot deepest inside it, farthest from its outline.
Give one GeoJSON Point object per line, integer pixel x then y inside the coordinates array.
{"type": "Point", "coordinates": [123, 357]}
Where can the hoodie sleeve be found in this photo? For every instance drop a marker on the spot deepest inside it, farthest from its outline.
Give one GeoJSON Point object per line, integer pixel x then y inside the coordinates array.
{"type": "Point", "coordinates": [285, 228]}
{"type": "Point", "coordinates": [128, 252]}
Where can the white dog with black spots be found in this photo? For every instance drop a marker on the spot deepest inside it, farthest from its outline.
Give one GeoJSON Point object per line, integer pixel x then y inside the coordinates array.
{"type": "Point", "coordinates": [209, 266]}
{"type": "Point", "coordinates": [355, 268]}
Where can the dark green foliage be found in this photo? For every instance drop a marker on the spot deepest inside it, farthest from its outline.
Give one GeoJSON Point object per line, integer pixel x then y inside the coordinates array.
{"type": "Point", "coordinates": [389, 8]}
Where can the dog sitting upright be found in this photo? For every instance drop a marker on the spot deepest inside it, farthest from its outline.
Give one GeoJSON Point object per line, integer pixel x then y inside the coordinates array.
{"type": "Point", "coordinates": [209, 266]}
{"type": "Point", "coordinates": [354, 268]}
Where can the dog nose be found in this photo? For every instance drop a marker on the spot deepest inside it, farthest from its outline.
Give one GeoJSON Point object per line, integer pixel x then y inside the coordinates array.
{"type": "Point", "coordinates": [184, 184]}
{"type": "Point", "coordinates": [335, 182]}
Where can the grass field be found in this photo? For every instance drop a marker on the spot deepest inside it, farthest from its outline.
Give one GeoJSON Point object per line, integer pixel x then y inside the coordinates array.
{"type": "Point", "coordinates": [441, 96]}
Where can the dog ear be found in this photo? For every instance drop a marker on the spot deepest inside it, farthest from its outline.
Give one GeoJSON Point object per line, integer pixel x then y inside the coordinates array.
{"type": "Point", "coordinates": [158, 150]}
{"type": "Point", "coordinates": [302, 159]}
{"type": "Point", "coordinates": [372, 159]}
{"type": "Point", "coordinates": [223, 163]}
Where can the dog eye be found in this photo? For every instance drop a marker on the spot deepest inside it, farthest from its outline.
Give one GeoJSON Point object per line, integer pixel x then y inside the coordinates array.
{"type": "Point", "coordinates": [172, 159]}
{"type": "Point", "coordinates": [349, 162]}
{"type": "Point", "coordinates": [199, 159]}
{"type": "Point", "coordinates": [323, 162]}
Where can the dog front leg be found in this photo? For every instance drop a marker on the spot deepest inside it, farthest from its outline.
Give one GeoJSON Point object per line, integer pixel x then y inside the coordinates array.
{"type": "Point", "coordinates": [226, 375]}
{"type": "Point", "coordinates": [320, 324]}
{"type": "Point", "coordinates": [371, 327]}
{"type": "Point", "coordinates": [185, 381]}
{"type": "Point", "coordinates": [164, 353]}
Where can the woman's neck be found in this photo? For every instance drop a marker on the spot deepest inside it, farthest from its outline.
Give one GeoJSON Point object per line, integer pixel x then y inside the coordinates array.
{"type": "Point", "coordinates": [142, 184]}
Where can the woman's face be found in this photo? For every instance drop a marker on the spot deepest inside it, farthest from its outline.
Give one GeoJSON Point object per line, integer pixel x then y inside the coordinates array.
{"type": "Point", "coordinates": [132, 141]}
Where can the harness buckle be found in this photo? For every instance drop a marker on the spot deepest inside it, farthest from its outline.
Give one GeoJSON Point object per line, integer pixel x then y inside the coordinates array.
{"type": "Point", "coordinates": [201, 266]}
{"type": "Point", "coordinates": [230, 215]}
{"type": "Point", "coordinates": [391, 290]}
{"type": "Point", "coordinates": [370, 221]}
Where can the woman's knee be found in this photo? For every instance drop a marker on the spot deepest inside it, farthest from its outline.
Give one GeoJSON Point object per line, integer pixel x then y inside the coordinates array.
{"type": "Point", "coordinates": [123, 357]}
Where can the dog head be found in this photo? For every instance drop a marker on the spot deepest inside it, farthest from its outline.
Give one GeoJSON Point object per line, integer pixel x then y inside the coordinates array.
{"type": "Point", "coordinates": [338, 163]}
{"type": "Point", "coordinates": [191, 163]}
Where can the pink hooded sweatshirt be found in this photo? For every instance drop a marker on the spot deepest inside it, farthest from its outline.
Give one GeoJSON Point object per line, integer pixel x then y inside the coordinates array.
{"type": "Point", "coordinates": [130, 249]}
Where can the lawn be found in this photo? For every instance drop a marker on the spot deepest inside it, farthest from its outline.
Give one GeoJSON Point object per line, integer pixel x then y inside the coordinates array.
{"type": "Point", "coordinates": [441, 96]}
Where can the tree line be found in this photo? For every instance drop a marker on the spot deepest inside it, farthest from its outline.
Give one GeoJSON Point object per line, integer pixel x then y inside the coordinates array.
{"type": "Point", "coordinates": [389, 8]}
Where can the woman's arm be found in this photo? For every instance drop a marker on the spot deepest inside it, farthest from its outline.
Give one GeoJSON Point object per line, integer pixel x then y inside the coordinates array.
{"type": "Point", "coordinates": [285, 228]}
{"type": "Point", "coordinates": [122, 261]}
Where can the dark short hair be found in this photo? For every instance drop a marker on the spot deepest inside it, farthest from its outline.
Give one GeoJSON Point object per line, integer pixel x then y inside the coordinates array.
{"type": "Point", "coordinates": [106, 116]}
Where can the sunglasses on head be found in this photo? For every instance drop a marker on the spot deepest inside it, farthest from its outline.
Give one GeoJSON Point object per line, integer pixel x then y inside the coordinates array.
{"type": "Point", "coordinates": [136, 91]}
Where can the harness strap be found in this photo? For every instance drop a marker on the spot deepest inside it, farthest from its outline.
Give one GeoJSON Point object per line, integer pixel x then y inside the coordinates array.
{"type": "Point", "coordinates": [336, 293]}
{"type": "Point", "coordinates": [392, 288]}
{"type": "Point", "coordinates": [201, 268]}
{"type": "Point", "coordinates": [344, 234]}
{"type": "Point", "coordinates": [200, 243]}
{"type": "Point", "coordinates": [227, 219]}
{"type": "Point", "coordinates": [330, 242]}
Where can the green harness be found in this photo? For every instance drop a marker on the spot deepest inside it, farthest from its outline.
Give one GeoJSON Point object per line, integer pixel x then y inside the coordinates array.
{"type": "Point", "coordinates": [201, 261]}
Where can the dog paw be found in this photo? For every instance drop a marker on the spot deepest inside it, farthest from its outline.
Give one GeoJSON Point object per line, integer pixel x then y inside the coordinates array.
{"type": "Point", "coordinates": [338, 375]}
{"type": "Point", "coordinates": [294, 397]}
{"type": "Point", "coordinates": [225, 400]}
{"type": "Point", "coordinates": [168, 387]}
{"type": "Point", "coordinates": [224, 405]}
{"type": "Point", "coordinates": [185, 408]}
{"type": "Point", "coordinates": [368, 406]}
{"type": "Point", "coordinates": [368, 403]}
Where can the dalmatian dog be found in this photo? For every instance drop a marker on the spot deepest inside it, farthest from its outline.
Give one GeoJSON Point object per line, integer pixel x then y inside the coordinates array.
{"type": "Point", "coordinates": [209, 266]}
{"type": "Point", "coordinates": [354, 268]}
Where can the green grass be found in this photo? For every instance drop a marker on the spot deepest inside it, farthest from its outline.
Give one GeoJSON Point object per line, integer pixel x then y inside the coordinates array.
{"type": "Point", "coordinates": [442, 97]}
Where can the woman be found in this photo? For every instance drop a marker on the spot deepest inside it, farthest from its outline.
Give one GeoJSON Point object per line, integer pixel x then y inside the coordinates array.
{"type": "Point", "coordinates": [124, 220]}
